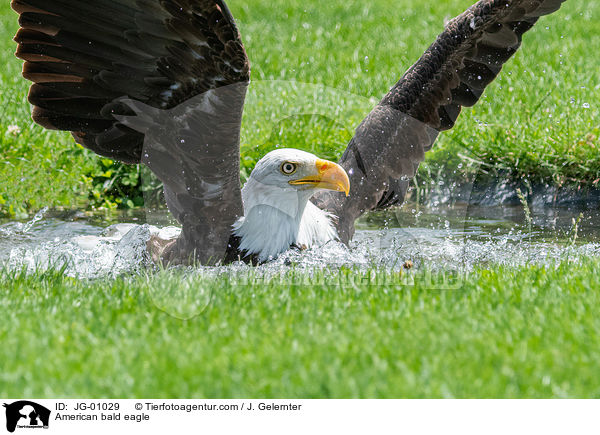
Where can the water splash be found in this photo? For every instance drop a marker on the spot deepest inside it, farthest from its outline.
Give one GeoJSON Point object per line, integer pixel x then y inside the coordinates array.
{"type": "Point", "coordinates": [22, 228]}
{"type": "Point", "coordinates": [431, 239]}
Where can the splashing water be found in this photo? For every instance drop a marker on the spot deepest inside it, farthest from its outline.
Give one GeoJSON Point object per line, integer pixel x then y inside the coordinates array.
{"type": "Point", "coordinates": [451, 239]}
{"type": "Point", "coordinates": [22, 228]}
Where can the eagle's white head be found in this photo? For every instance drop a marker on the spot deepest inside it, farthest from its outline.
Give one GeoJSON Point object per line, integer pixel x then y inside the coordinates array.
{"type": "Point", "coordinates": [277, 211]}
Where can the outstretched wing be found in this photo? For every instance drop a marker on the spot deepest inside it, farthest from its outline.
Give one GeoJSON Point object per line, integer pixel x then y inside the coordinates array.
{"type": "Point", "coordinates": [454, 71]}
{"type": "Point", "coordinates": [110, 71]}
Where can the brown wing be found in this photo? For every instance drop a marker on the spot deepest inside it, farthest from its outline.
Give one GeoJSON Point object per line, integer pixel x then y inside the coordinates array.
{"type": "Point", "coordinates": [454, 71]}
{"type": "Point", "coordinates": [160, 82]}
{"type": "Point", "coordinates": [82, 55]}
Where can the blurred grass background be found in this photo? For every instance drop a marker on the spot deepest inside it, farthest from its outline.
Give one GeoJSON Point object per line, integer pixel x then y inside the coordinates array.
{"type": "Point", "coordinates": [540, 119]}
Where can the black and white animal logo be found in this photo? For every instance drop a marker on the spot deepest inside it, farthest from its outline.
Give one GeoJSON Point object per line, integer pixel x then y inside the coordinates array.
{"type": "Point", "coordinates": [26, 414]}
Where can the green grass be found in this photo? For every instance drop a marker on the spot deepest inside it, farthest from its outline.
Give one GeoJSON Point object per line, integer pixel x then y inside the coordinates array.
{"type": "Point", "coordinates": [531, 123]}
{"type": "Point", "coordinates": [530, 332]}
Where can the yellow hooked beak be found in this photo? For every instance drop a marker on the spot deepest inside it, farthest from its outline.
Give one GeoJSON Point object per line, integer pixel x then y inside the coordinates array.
{"type": "Point", "coordinates": [329, 176]}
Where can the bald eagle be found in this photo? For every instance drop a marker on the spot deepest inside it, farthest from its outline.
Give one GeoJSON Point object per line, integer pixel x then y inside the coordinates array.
{"type": "Point", "coordinates": [163, 83]}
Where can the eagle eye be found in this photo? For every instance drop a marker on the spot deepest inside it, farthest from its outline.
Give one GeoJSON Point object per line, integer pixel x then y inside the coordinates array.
{"type": "Point", "coordinates": [288, 168]}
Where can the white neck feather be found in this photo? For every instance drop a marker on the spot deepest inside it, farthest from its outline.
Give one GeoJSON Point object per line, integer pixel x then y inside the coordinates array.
{"type": "Point", "coordinates": [276, 218]}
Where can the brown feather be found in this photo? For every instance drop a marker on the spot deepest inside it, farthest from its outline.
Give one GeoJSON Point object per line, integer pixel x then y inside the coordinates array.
{"type": "Point", "coordinates": [129, 79]}
{"type": "Point", "coordinates": [452, 73]}
{"type": "Point", "coordinates": [140, 49]}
